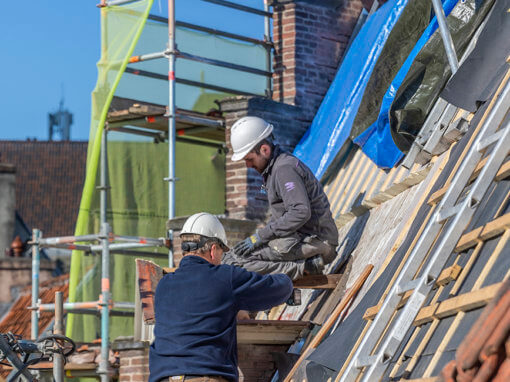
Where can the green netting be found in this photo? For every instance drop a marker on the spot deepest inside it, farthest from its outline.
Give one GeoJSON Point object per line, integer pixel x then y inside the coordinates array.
{"type": "Point", "coordinates": [120, 29]}
{"type": "Point", "coordinates": [138, 198]}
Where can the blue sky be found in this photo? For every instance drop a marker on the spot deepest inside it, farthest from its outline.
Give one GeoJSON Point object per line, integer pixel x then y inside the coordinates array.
{"type": "Point", "coordinates": [49, 46]}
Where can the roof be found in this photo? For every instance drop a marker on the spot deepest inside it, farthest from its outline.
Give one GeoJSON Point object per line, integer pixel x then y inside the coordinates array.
{"type": "Point", "coordinates": [49, 182]}
{"type": "Point", "coordinates": [485, 352]}
{"type": "Point", "coordinates": [18, 318]}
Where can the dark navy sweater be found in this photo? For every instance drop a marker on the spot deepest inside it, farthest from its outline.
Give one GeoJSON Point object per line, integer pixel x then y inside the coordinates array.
{"type": "Point", "coordinates": [196, 310]}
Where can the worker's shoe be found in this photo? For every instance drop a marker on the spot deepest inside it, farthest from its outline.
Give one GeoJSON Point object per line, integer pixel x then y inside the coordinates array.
{"type": "Point", "coordinates": [314, 265]}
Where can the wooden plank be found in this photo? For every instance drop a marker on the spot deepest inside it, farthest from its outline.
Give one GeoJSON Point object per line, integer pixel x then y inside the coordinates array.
{"type": "Point", "coordinates": [446, 276]}
{"type": "Point", "coordinates": [463, 303]}
{"type": "Point", "coordinates": [466, 270]}
{"type": "Point", "coordinates": [483, 233]}
{"type": "Point", "coordinates": [269, 332]}
{"type": "Point", "coordinates": [317, 281]}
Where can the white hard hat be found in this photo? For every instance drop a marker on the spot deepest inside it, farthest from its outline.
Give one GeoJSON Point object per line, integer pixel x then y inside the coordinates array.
{"type": "Point", "coordinates": [206, 225]}
{"type": "Point", "coordinates": [246, 133]}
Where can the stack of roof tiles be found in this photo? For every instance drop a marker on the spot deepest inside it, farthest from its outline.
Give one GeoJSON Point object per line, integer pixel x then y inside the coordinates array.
{"type": "Point", "coordinates": [484, 355]}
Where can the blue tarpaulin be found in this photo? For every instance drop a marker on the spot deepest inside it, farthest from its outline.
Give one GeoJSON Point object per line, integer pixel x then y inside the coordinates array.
{"type": "Point", "coordinates": [331, 125]}
{"type": "Point", "coordinates": [376, 141]}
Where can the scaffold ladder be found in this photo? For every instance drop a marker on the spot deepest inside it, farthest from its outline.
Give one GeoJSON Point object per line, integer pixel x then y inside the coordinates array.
{"type": "Point", "coordinates": [374, 354]}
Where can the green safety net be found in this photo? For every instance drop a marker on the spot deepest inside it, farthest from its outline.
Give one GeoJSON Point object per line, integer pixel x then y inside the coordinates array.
{"type": "Point", "coordinates": [120, 30]}
{"type": "Point", "coordinates": [138, 196]}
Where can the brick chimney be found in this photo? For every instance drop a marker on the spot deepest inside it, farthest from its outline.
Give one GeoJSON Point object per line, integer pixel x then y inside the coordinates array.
{"type": "Point", "coordinates": [310, 38]}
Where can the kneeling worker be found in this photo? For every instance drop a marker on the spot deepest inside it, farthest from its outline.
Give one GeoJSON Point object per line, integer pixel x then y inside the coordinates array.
{"type": "Point", "coordinates": [196, 307]}
{"type": "Point", "coordinates": [301, 235]}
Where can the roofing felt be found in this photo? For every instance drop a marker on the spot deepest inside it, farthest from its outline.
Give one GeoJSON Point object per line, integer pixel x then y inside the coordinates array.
{"type": "Point", "coordinates": [481, 254]}
{"type": "Point", "coordinates": [49, 182]}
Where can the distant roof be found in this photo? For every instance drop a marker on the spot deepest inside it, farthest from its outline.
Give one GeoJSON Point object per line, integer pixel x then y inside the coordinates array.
{"type": "Point", "coordinates": [17, 320]}
{"type": "Point", "coordinates": [49, 182]}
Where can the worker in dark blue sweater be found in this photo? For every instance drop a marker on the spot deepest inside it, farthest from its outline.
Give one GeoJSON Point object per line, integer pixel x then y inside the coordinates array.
{"type": "Point", "coordinates": [196, 307]}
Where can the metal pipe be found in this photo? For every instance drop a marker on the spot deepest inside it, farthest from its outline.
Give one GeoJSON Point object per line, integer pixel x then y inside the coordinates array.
{"type": "Point", "coordinates": [223, 64]}
{"type": "Point", "coordinates": [70, 306]}
{"type": "Point", "coordinates": [188, 82]}
{"type": "Point", "coordinates": [239, 7]}
{"type": "Point", "coordinates": [446, 36]}
{"type": "Point", "coordinates": [180, 117]}
{"type": "Point", "coordinates": [67, 239]}
{"type": "Point", "coordinates": [217, 32]}
{"type": "Point", "coordinates": [58, 359]}
{"type": "Point", "coordinates": [140, 240]}
{"type": "Point", "coordinates": [103, 369]}
{"type": "Point", "coordinates": [146, 57]}
{"type": "Point", "coordinates": [36, 234]}
{"type": "Point", "coordinates": [171, 123]}
{"type": "Point", "coordinates": [77, 247]}
{"type": "Point", "coordinates": [269, 46]}
{"type": "Point", "coordinates": [115, 246]}
{"type": "Point", "coordinates": [85, 305]}
{"type": "Point", "coordinates": [140, 253]}
{"type": "Point", "coordinates": [121, 129]}
{"type": "Point", "coordinates": [116, 2]}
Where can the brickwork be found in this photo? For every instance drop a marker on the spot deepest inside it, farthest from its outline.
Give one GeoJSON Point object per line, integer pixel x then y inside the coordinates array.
{"type": "Point", "coordinates": [134, 364]}
{"type": "Point", "coordinates": [255, 361]}
{"type": "Point", "coordinates": [310, 38]}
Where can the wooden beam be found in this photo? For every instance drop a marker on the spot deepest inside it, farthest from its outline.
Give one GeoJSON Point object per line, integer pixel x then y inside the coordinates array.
{"type": "Point", "coordinates": [446, 276]}
{"type": "Point", "coordinates": [269, 332]}
{"type": "Point", "coordinates": [483, 233]}
{"type": "Point", "coordinates": [317, 281]}
{"type": "Point", "coordinates": [464, 302]}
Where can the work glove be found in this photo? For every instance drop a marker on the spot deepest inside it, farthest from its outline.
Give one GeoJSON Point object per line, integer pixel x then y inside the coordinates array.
{"type": "Point", "coordinates": [248, 245]}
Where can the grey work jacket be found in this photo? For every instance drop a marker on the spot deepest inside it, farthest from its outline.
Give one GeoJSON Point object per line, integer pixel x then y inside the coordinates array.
{"type": "Point", "coordinates": [297, 201]}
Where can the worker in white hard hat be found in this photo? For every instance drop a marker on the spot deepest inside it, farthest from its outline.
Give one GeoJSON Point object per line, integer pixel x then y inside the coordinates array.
{"type": "Point", "coordinates": [196, 307]}
{"type": "Point", "coordinates": [301, 235]}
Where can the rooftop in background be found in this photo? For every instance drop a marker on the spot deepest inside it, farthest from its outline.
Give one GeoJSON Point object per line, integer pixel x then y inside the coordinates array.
{"type": "Point", "coordinates": [49, 182]}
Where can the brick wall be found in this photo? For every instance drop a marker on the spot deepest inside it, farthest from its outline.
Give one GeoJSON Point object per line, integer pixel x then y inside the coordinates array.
{"type": "Point", "coordinates": [310, 38]}
{"type": "Point", "coordinates": [255, 361]}
{"type": "Point", "coordinates": [134, 361]}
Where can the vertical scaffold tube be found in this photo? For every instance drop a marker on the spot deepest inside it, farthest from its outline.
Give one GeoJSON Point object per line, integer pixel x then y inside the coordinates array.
{"type": "Point", "coordinates": [446, 36]}
{"type": "Point", "coordinates": [267, 39]}
{"type": "Point", "coordinates": [58, 359]}
{"type": "Point", "coordinates": [36, 256]}
{"type": "Point", "coordinates": [103, 369]}
{"type": "Point", "coordinates": [171, 123]}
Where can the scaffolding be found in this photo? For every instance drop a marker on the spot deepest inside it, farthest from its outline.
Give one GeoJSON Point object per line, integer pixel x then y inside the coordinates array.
{"type": "Point", "coordinates": [150, 124]}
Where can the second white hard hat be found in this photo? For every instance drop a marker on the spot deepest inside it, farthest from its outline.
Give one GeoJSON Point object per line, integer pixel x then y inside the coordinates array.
{"type": "Point", "coordinates": [206, 225]}
{"type": "Point", "coordinates": [246, 133]}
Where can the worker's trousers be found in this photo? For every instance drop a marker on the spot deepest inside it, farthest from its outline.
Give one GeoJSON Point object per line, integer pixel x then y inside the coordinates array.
{"type": "Point", "coordinates": [284, 255]}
